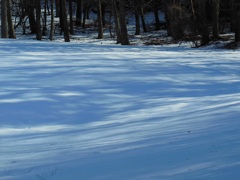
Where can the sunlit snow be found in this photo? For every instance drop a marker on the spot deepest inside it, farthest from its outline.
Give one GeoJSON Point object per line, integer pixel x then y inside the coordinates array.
{"type": "Point", "coordinates": [73, 111]}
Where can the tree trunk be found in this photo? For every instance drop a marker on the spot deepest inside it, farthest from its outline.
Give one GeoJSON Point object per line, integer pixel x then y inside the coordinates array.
{"type": "Point", "coordinates": [142, 16]}
{"type": "Point", "coordinates": [10, 23]}
{"type": "Point", "coordinates": [116, 20]}
{"type": "Point", "coordinates": [166, 12]}
{"type": "Point", "coordinates": [38, 20]}
{"type": "Point", "coordinates": [193, 27]}
{"type": "Point", "coordinates": [4, 27]}
{"type": "Point", "coordinates": [232, 15]}
{"type": "Point", "coordinates": [71, 17]}
{"type": "Point", "coordinates": [61, 23]}
{"type": "Point", "coordinates": [44, 29]}
{"type": "Point", "coordinates": [103, 10]}
{"type": "Point", "coordinates": [237, 20]}
{"type": "Point", "coordinates": [79, 12]}
{"type": "Point", "coordinates": [157, 20]}
{"type": "Point", "coordinates": [85, 6]}
{"type": "Point", "coordinates": [23, 12]}
{"type": "Point", "coordinates": [52, 21]}
{"type": "Point", "coordinates": [137, 17]}
{"type": "Point", "coordinates": [100, 22]}
{"type": "Point", "coordinates": [123, 25]}
{"type": "Point", "coordinates": [57, 7]}
{"type": "Point", "coordinates": [65, 21]}
{"type": "Point", "coordinates": [203, 27]}
{"type": "Point", "coordinates": [32, 20]}
{"type": "Point", "coordinates": [216, 9]}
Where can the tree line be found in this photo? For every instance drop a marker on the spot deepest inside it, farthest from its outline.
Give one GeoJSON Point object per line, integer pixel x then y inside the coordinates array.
{"type": "Point", "coordinates": [200, 21]}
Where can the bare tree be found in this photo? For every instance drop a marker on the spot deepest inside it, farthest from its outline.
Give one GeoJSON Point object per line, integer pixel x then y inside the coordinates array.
{"type": "Point", "coordinates": [79, 12]}
{"type": "Point", "coordinates": [215, 19]}
{"type": "Point", "coordinates": [100, 18]}
{"type": "Point", "coordinates": [203, 27]}
{"type": "Point", "coordinates": [137, 17]}
{"type": "Point", "coordinates": [11, 30]}
{"type": "Point", "coordinates": [30, 11]}
{"type": "Point", "coordinates": [166, 5]}
{"type": "Point", "coordinates": [52, 21]}
{"type": "Point", "coordinates": [156, 4]}
{"type": "Point", "coordinates": [142, 16]}
{"type": "Point", "coordinates": [71, 16]}
{"type": "Point", "coordinates": [4, 27]}
{"type": "Point", "coordinates": [65, 21]}
{"type": "Point", "coordinates": [117, 21]}
{"type": "Point", "coordinates": [237, 20]}
{"type": "Point", "coordinates": [123, 25]}
{"type": "Point", "coordinates": [38, 19]}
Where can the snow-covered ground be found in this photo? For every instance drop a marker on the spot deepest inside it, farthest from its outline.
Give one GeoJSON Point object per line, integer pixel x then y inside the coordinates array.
{"type": "Point", "coordinates": [71, 111]}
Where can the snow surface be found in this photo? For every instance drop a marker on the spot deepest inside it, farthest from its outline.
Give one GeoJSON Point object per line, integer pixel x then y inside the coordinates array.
{"type": "Point", "coordinates": [72, 111]}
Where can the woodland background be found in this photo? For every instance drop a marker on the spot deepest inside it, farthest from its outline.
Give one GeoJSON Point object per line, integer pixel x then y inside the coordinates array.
{"type": "Point", "coordinates": [198, 21]}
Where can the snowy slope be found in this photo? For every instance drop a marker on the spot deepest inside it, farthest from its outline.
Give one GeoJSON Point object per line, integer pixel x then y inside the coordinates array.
{"type": "Point", "coordinates": [79, 111]}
